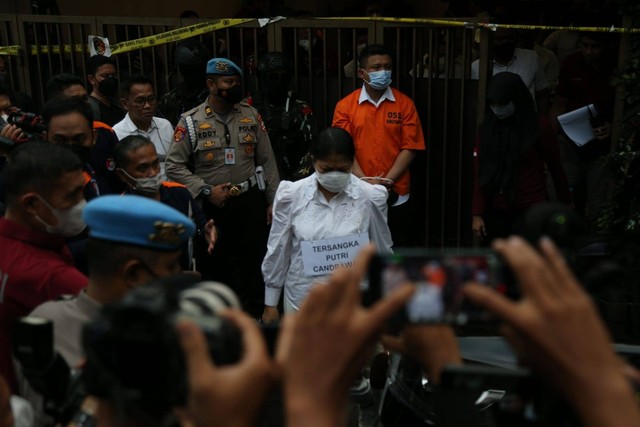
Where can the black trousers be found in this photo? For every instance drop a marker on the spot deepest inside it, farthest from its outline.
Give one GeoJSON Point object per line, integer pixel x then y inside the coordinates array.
{"type": "Point", "coordinates": [242, 243]}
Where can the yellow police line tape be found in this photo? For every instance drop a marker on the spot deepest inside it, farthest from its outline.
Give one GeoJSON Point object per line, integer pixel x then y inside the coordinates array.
{"type": "Point", "coordinates": [178, 34]}
{"type": "Point", "coordinates": [487, 25]}
{"type": "Point", "coordinates": [206, 27]}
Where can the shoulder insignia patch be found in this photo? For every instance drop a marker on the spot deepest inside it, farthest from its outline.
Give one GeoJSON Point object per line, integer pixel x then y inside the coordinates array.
{"type": "Point", "coordinates": [262, 126]}
{"type": "Point", "coordinates": [179, 134]}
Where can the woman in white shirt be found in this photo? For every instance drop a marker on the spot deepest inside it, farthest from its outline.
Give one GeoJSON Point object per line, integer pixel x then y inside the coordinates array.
{"type": "Point", "coordinates": [320, 223]}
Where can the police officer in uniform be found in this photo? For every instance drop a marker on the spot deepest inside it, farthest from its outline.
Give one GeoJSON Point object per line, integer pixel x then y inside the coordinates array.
{"type": "Point", "coordinates": [234, 174]}
{"type": "Point", "coordinates": [190, 59]}
{"type": "Point", "coordinates": [290, 120]}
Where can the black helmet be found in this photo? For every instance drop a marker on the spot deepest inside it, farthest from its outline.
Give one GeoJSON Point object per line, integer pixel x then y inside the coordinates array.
{"type": "Point", "coordinates": [272, 61]}
{"type": "Point", "coordinates": [191, 52]}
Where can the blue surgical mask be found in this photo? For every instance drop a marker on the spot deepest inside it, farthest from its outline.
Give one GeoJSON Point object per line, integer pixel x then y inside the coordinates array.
{"type": "Point", "coordinates": [503, 111]}
{"type": "Point", "coordinates": [379, 80]}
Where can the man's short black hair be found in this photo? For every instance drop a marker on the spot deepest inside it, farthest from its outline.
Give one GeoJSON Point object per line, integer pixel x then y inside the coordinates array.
{"type": "Point", "coordinates": [127, 145]}
{"type": "Point", "coordinates": [37, 166]}
{"type": "Point", "coordinates": [105, 258]}
{"type": "Point", "coordinates": [371, 50]}
{"type": "Point", "coordinates": [62, 106]}
{"type": "Point", "coordinates": [60, 82]}
{"type": "Point", "coordinates": [138, 79]}
{"type": "Point", "coordinates": [97, 61]}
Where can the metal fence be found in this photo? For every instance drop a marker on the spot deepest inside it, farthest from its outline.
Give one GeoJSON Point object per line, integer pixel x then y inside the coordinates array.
{"type": "Point", "coordinates": [431, 64]}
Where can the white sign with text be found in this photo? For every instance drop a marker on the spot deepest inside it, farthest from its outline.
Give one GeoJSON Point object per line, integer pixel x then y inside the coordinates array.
{"type": "Point", "coordinates": [322, 257]}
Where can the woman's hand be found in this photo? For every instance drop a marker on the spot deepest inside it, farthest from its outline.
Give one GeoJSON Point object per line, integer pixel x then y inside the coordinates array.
{"type": "Point", "coordinates": [270, 315]}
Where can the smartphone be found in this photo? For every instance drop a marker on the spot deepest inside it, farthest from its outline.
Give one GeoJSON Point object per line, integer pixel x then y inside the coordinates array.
{"type": "Point", "coordinates": [439, 278]}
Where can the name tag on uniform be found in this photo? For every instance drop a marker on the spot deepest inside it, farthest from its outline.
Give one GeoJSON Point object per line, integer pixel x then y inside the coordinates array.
{"type": "Point", "coordinates": [322, 257]}
{"type": "Point", "coordinates": [229, 156]}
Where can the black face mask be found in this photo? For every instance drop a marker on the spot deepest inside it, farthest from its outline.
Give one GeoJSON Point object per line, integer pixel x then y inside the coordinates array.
{"type": "Point", "coordinates": [231, 96]}
{"type": "Point", "coordinates": [504, 51]}
{"type": "Point", "coordinates": [108, 86]}
{"type": "Point", "coordinates": [81, 151]}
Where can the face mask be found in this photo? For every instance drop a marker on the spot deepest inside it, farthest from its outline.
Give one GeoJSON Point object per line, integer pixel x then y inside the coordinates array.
{"type": "Point", "coordinates": [70, 222]}
{"type": "Point", "coordinates": [108, 86]}
{"type": "Point", "coordinates": [305, 44]}
{"type": "Point", "coordinates": [145, 186]}
{"type": "Point", "coordinates": [4, 117]}
{"type": "Point", "coordinates": [231, 96]}
{"type": "Point", "coordinates": [379, 80]}
{"type": "Point", "coordinates": [334, 181]}
{"type": "Point", "coordinates": [81, 151]}
{"type": "Point", "coordinates": [503, 111]}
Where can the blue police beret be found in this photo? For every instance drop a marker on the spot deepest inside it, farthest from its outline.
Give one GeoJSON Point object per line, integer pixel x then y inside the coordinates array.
{"type": "Point", "coordinates": [223, 67]}
{"type": "Point", "coordinates": [137, 221]}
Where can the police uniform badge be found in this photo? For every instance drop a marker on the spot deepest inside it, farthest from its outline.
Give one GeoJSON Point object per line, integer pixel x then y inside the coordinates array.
{"type": "Point", "coordinates": [208, 111]}
{"type": "Point", "coordinates": [222, 67]}
{"type": "Point", "coordinates": [262, 126]}
{"type": "Point", "coordinates": [110, 164]}
{"type": "Point", "coordinates": [245, 120]}
{"type": "Point", "coordinates": [204, 125]}
{"type": "Point", "coordinates": [248, 149]}
{"type": "Point", "coordinates": [208, 144]}
{"type": "Point", "coordinates": [167, 232]}
{"type": "Point", "coordinates": [248, 138]}
{"type": "Point", "coordinates": [179, 134]}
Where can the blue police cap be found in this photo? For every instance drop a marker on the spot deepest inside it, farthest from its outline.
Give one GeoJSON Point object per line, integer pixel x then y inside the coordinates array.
{"type": "Point", "coordinates": [223, 67]}
{"type": "Point", "coordinates": [137, 221]}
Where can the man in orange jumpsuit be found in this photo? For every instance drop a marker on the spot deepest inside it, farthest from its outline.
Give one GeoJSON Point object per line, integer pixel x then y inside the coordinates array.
{"type": "Point", "coordinates": [387, 133]}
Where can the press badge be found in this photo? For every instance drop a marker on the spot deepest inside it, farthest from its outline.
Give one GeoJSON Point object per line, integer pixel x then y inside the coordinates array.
{"type": "Point", "coordinates": [229, 156]}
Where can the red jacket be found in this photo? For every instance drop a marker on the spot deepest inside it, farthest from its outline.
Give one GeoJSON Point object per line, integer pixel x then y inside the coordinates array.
{"type": "Point", "coordinates": [35, 267]}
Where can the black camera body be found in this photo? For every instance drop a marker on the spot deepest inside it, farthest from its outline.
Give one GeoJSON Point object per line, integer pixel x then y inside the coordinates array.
{"type": "Point", "coordinates": [45, 370]}
{"type": "Point", "coordinates": [31, 124]}
{"type": "Point", "coordinates": [133, 351]}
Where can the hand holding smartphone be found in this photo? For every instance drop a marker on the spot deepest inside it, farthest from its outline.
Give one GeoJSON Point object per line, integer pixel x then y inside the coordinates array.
{"type": "Point", "coordinates": [439, 277]}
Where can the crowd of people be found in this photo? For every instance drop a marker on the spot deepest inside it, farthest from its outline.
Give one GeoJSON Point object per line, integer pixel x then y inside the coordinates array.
{"type": "Point", "coordinates": [105, 196]}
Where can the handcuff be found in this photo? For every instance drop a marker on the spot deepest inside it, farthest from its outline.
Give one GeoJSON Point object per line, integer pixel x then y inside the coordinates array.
{"type": "Point", "coordinates": [384, 181]}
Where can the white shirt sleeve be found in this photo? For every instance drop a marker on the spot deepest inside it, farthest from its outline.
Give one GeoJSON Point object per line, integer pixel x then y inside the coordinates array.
{"type": "Point", "coordinates": [379, 233]}
{"type": "Point", "coordinates": [275, 265]}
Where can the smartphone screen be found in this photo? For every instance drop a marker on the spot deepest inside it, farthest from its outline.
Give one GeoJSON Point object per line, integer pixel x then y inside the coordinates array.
{"type": "Point", "coordinates": [439, 278]}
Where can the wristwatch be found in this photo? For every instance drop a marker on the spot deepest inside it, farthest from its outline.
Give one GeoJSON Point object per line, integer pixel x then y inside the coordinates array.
{"type": "Point", "coordinates": [205, 192]}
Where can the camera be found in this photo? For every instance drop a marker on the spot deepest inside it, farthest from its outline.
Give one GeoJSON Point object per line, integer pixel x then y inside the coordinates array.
{"type": "Point", "coordinates": [31, 124]}
{"type": "Point", "coordinates": [133, 351]}
{"type": "Point", "coordinates": [45, 370]}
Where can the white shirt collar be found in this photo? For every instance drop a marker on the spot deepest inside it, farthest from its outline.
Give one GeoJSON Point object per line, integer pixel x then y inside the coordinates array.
{"type": "Point", "coordinates": [128, 125]}
{"type": "Point", "coordinates": [364, 96]}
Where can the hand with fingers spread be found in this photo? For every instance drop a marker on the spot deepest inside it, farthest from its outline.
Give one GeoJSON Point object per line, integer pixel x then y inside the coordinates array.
{"type": "Point", "coordinates": [556, 327]}
{"type": "Point", "coordinates": [229, 395]}
{"type": "Point", "coordinates": [322, 348]}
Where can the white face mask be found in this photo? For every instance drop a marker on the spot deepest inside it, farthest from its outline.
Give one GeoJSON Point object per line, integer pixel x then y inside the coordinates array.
{"type": "Point", "coordinates": [145, 186]}
{"type": "Point", "coordinates": [503, 111]}
{"type": "Point", "coordinates": [70, 222]}
{"type": "Point", "coordinates": [305, 44]}
{"type": "Point", "coordinates": [334, 181]}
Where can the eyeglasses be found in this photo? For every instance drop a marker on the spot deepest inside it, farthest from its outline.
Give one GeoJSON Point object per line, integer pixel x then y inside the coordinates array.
{"type": "Point", "coordinates": [140, 102]}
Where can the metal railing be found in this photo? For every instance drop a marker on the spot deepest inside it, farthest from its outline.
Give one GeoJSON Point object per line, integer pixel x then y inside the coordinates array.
{"type": "Point", "coordinates": [431, 65]}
